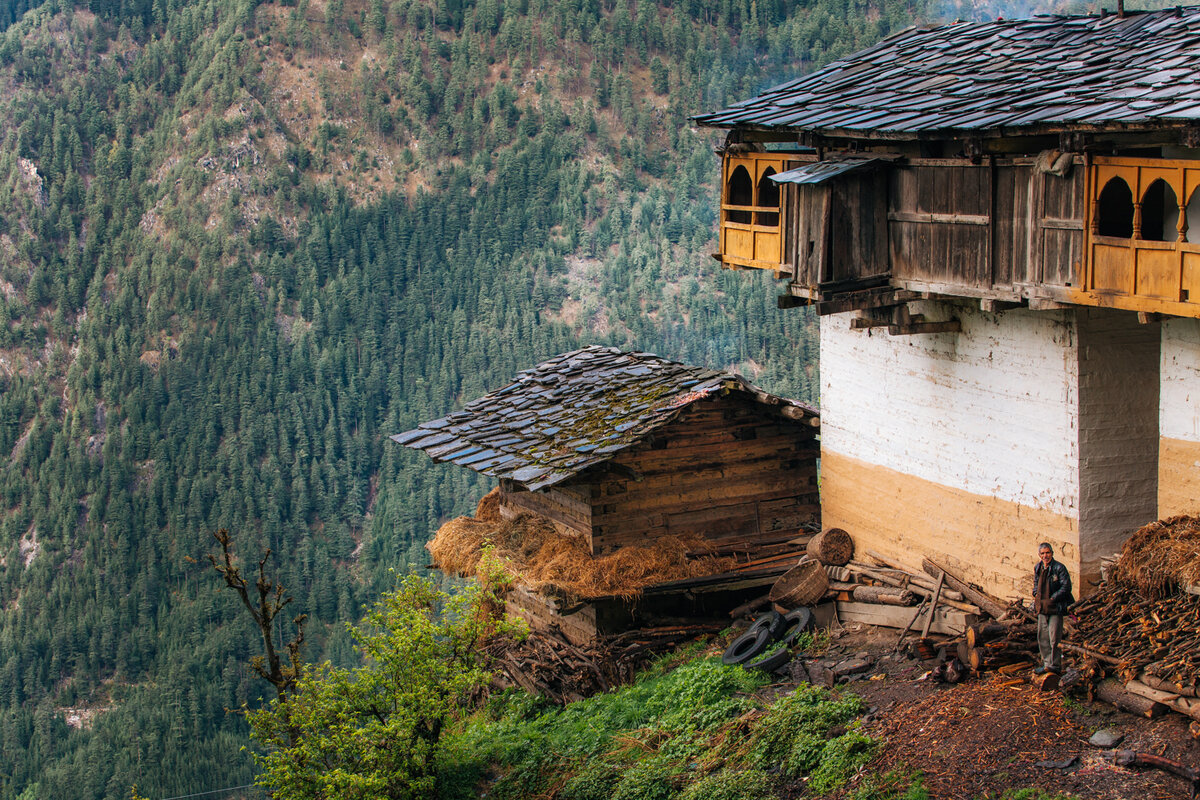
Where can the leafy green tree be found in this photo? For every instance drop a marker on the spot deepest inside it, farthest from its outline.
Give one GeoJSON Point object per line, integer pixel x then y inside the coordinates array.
{"type": "Point", "coordinates": [374, 731]}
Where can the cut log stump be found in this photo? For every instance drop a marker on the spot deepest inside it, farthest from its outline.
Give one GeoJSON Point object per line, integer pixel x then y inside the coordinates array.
{"type": "Point", "coordinates": [833, 546]}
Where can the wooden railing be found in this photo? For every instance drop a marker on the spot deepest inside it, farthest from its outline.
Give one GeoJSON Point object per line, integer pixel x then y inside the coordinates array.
{"type": "Point", "coordinates": [750, 242]}
{"type": "Point", "coordinates": [1143, 274]}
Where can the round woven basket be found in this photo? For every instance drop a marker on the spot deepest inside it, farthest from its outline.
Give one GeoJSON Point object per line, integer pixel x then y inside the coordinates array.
{"type": "Point", "coordinates": [802, 585]}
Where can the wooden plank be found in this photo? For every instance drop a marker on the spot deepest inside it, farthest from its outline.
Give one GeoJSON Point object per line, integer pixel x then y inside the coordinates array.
{"type": "Point", "coordinates": [947, 621]}
{"type": "Point", "coordinates": [654, 483]}
{"type": "Point", "coordinates": [938, 219]}
{"type": "Point", "coordinates": [672, 502]}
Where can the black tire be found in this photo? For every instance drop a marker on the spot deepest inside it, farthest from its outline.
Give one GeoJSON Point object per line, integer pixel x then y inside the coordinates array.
{"type": "Point", "coordinates": [746, 647]}
{"type": "Point", "coordinates": [772, 662]}
{"type": "Point", "coordinates": [795, 623]}
{"type": "Point", "coordinates": [772, 621]}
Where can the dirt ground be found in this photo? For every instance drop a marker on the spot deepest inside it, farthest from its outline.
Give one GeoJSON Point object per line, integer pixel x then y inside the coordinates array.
{"type": "Point", "coordinates": [984, 736]}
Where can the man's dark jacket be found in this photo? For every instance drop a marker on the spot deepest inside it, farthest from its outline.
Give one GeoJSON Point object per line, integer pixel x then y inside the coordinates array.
{"type": "Point", "coordinates": [1060, 587]}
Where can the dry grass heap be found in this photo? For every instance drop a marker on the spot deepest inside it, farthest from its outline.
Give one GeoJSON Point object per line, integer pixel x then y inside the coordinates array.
{"type": "Point", "coordinates": [1160, 558]}
{"type": "Point", "coordinates": [537, 556]}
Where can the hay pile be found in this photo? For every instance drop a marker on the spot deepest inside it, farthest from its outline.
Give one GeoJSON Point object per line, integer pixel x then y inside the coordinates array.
{"type": "Point", "coordinates": [537, 556]}
{"type": "Point", "coordinates": [1161, 558]}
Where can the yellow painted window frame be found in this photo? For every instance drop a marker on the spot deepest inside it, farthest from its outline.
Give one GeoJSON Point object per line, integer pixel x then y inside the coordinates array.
{"type": "Point", "coordinates": [1183, 176]}
{"type": "Point", "coordinates": [756, 165]}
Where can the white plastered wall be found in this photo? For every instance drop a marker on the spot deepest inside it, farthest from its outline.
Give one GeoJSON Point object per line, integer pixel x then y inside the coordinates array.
{"type": "Point", "coordinates": [1118, 430]}
{"type": "Point", "coordinates": [1179, 418]}
{"type": "Point", "coordinates": [1180, 397]}
{"type": "Point", "coordinates": [990, 410]}
{"type": "Point", "coordinates": [1033, 424]}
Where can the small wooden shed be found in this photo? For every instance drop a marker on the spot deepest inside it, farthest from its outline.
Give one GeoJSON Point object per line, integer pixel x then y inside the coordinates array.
{"type": "Point", "coordinates": [618, 448]}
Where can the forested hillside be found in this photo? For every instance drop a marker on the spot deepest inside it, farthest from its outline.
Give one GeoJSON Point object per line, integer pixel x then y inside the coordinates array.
{"type": "Point", "coordinates": [240, 243]}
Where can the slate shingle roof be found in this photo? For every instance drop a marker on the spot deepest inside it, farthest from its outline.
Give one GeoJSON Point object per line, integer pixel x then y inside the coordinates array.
{"type": "Point", "coordinates": [1049, 72]}
{"type": "Point", "coordinates": [571, 412]}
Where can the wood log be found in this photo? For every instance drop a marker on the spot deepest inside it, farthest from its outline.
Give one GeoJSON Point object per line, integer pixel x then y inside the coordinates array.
{"type": "Point", "coordinates": [1089, 653]}
{"type": "Point", "coordinates": [832, 546]}
{"type": "Point", "coordinates": [1150, 693]}
{"type": "Point", "coordinates": [909, 580]}
{"type": "Point", "coordinates": [1128, 758]}
{"type": "Point", "coordinates": [1165, 685]}
{"type": "Point", "coordinates": [887, 562]}
{"type": "Point", "coordinates": [922, 586]}
{"type": "Point", "coordinates": [989, 604]}
{"type": "Point", "coordinates": [1113, 693]}
{"type": "Point", "coordinates": [946, 621]}
{"type": "Point", "coordinates": [904, 632]}
{"type": "Point", "coordinates": [747, 607]}
{"type": "Point", "coordinates": [982, 659]}
{"type": "Point", "coordinates": [982, 632]}
{"type": "Point", "coordinates": [879, 594]}
{"type": "Point", "coordinates": [1188, 706]}
{"type": "Point", "coordinates": [1046, 682]}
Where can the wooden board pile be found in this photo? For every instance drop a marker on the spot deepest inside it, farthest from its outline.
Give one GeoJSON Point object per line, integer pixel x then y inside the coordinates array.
{"type": "Point", "coordinates": [882, 592]}
{"type": "Point", "coordinates": [546, 664]}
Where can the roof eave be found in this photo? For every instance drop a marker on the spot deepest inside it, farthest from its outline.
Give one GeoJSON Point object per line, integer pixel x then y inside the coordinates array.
{"type": "Point", "coordinates": [1000, 132]}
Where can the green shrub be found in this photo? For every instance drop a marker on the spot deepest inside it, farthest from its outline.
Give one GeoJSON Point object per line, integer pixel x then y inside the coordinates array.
{"type": "Point", "coordinates": [841, 758]}
{"type": "Point", "coordinates": [595, 781]}
{"type": "Point", "coordinates": [729, 784]}
{"type": "Point", "coordinates": [805, 754]}
{"type": "Point", "coordinates": [648, 779]}
{"type": "Point", "coordinates": [892, 785]}
{"type": "Point", "coordinates": [808, 710]}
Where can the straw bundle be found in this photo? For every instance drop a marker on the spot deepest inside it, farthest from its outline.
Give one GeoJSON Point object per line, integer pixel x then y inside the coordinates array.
{"type": "Point", "coordinates": [1160, 558]}
{"type": "Point", "coordinates": [536, 555]}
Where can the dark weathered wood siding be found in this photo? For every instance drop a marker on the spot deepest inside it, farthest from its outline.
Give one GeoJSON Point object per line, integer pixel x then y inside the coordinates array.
{"type": "Point", "coordinates": [946, 225]}
{"type": "Point", "coordinates": [727, 471]}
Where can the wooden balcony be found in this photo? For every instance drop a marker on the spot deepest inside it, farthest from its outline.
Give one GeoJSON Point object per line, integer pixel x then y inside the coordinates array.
{"type": "Point", "coordinates": [1143, 249]}
{"type": "Point", "coordinates": [752, 211]}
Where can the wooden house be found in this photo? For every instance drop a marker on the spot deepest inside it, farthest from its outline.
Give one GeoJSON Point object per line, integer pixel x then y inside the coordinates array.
{"type": "Point", "coordinates": [999, 226]}
{"type": "Point", "coordinates": [618, 448]}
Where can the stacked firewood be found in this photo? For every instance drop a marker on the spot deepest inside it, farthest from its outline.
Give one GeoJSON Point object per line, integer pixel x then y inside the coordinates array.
{"type": "Point", "coordinates": [1161, 637]}
{"type": "Point", "coordinates": [547, 664]}
{"type": "Point", "coordinates": [1142, 655]}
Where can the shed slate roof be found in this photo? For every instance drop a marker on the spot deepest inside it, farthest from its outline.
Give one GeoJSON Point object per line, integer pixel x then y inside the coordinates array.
{"type": "Point", "coordinates": [571, 412]}
{"type": "Point", "coordinates": [1049, 72]}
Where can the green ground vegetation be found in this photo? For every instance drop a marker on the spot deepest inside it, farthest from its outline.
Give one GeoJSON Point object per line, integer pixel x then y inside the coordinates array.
{"type": "Point", "coordinates": [700, 730]}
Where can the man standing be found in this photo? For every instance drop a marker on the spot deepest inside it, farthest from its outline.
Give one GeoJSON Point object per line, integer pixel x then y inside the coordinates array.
{"type": "Point", "coordinates": [1051, 597]}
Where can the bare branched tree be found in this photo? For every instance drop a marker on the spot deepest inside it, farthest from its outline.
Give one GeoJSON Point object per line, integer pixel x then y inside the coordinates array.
{"type": "Point", "coordinates": [270, 601]}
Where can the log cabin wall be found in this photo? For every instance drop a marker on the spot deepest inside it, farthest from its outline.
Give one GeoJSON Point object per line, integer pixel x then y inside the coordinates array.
{"type": "Point", "coordinates": [568, 507]}
{"type": "Point", "coordinates": [727, 470]}
{"type": "Point", "coordinates": [1179, 419]}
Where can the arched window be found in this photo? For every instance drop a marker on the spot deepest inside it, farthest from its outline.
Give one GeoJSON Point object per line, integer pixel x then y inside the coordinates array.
{"type": "Point", "coordinates": [1115, 210]}
{"type": "Point", "coordinates": [768, 195]}
{"type": "Point", "coordinates": [739, 192]}
{"type": "Point", "coordinates": [1160, 213]}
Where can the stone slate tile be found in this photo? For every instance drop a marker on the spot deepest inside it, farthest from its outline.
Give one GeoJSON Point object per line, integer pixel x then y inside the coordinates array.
{"type": "Point", "coordinates": [1070, 67]}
